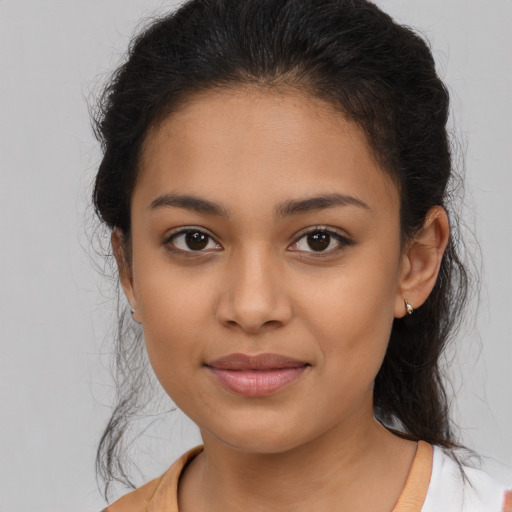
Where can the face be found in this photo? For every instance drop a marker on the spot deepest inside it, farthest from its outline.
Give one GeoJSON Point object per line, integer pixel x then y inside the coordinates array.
{"type": "Point", "coordinates": [265, 268]}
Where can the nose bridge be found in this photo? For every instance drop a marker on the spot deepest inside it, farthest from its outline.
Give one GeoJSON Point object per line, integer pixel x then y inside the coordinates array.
{"type": "Point", "coordinates": [252, 298]}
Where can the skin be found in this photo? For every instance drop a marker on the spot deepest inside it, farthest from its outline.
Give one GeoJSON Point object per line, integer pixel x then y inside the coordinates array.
{"type": "Point", "coordinates": [258, 287]}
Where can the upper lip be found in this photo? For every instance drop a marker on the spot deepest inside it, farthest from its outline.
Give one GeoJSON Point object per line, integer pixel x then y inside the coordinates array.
{"type": "Point", "coordinates": [255, 362]}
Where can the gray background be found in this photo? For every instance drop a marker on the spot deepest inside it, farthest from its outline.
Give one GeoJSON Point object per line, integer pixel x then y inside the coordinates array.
{"type": "Point", "coordinates": [55, 309]}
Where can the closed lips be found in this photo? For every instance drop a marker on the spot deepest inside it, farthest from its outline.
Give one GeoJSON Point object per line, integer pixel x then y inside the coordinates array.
{"type": "Point", "coordinates": [259, 375]}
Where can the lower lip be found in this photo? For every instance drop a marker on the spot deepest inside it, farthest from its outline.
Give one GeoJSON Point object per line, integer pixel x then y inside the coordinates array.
{"type": "Point", "coordinates": [257, 382]}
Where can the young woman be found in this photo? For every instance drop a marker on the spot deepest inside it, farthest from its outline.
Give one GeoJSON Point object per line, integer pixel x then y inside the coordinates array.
{"type": "Point", "coordinates": [275, 177]}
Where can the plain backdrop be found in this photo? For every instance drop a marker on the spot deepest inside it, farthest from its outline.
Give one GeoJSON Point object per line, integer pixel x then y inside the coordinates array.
{"type": "Point", "coordinates": [55, 309]}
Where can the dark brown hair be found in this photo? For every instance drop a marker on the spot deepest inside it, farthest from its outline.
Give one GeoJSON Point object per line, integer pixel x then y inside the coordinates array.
{"type": "Point", "coordinates": [377, 73]}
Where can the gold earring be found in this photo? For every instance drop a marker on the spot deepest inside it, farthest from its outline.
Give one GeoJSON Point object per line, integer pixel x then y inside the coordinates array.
{"type": "Point", "coordinates": [408, 308]}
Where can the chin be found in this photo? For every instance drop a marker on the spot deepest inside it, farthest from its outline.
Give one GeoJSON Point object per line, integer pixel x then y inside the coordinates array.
{"type": "Point", "coordinates": [262, 444]}
{"type": "Point", "coordinates": [260, 436]}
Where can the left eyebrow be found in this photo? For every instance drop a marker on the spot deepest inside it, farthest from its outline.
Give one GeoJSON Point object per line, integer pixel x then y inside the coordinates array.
{"type": "Point", "coordinates": [313, 204]}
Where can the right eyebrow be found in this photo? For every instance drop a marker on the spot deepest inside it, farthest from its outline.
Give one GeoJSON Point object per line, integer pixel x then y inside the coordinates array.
{"type": "Point", "coordinates": [189, 202]}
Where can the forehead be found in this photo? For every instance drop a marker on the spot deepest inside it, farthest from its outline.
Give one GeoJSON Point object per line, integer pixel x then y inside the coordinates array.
{"type": "Point", "coordinates": [267, 142]}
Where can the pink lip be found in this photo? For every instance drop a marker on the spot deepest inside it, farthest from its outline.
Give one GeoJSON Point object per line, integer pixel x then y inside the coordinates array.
{"type": "Point", "coordinates": [259, 375]}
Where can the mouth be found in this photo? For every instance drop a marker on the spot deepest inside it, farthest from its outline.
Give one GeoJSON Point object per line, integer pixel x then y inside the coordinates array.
{"type": "Point", "coordinates": [258, 375]}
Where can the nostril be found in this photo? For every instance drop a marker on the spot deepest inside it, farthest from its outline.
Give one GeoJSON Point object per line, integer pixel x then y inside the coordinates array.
{"type": "Point", "coordinates": [253, 328]}
{"type": "Point", "coordinates": [271, 323]}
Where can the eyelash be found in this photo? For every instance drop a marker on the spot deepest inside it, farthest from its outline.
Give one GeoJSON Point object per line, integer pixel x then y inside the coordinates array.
{"type": "Point", "coordinates": [168, 242]}
{"type": "Point", "coordinates": [343, 241]}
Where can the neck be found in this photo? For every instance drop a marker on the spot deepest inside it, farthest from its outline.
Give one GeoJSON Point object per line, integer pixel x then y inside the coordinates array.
{"type": "Point", "coordinates": [348, 468]}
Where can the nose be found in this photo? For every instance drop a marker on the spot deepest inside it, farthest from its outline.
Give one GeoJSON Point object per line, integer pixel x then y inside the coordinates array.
{"type": "Point", "coordinates": [252, 298]}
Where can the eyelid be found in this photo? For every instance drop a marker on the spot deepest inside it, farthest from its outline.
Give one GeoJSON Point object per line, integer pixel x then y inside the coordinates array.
{"type": "Point", "coordinates": [343, 239]}
{"type": "Point", "coordinates": [183, 230]}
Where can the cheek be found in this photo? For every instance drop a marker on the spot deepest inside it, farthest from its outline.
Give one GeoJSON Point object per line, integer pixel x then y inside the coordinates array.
{"type": "Point", "coordinates": [176, 314]}
{"type": "Point", "coordinates": [352, 314]}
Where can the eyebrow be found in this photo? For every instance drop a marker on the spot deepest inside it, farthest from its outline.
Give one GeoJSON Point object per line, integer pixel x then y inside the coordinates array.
{"type": "Point", "coordinates": [189, 202]}
{"type": "Point", "coordinates": [285, 209]}
{"type": "Point", "coordinates": [313, 204]}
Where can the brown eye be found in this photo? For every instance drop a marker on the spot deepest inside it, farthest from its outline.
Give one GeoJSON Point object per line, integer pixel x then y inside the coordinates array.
{"type": "Point", "coordinates": [192, 240]}
{"type": "Point", "coordinates": [319, 240]}
{"type": "Point", "coordinates": [322, 241]}
{"type": "Point", "coordinates": [196, 240]}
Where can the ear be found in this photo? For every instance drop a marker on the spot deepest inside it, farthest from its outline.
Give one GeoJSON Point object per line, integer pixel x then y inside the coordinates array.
{"type": "Point", "coordinates": [421, 261]}
{"type": "Point", "coordinates": [125, 271]}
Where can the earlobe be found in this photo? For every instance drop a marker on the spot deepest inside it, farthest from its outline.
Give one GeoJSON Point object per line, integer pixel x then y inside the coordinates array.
{"type": "Point", "coordinates": [421, 262]}
{"type": "Point", "coordinates": [124, 268]}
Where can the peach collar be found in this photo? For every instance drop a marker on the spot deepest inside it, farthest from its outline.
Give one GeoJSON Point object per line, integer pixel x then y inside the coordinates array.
{"type": "Point", "coordinates": [415, 490]}
{"type": "Point", "coordinates": [161, 494]}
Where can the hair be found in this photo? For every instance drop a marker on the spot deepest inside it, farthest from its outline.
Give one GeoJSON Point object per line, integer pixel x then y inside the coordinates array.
{"type": "Point", "coordinates": [375, 72]}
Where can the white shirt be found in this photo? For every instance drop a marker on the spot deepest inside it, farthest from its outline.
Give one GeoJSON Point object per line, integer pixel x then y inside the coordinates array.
{"type": "Point", "coordinates": [450, 491]}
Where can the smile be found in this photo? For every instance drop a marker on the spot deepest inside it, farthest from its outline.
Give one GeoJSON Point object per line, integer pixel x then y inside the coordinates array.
{"type": "Point", "coordinates": [259, 375]}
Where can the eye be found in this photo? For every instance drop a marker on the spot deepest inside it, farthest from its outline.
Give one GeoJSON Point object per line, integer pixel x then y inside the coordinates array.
{"type": "Point", "coordinates": [320, 241]}
{"type": "Point", "coordinates": [192, 240]}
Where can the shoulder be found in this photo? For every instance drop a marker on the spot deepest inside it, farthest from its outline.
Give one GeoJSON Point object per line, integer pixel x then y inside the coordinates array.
{"type": "Point", "coordinates": [137, 500]}
{"type": "Point", "coordinates": [460, 488]}
{"type": "Point", "coordinates": [161, 490]}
